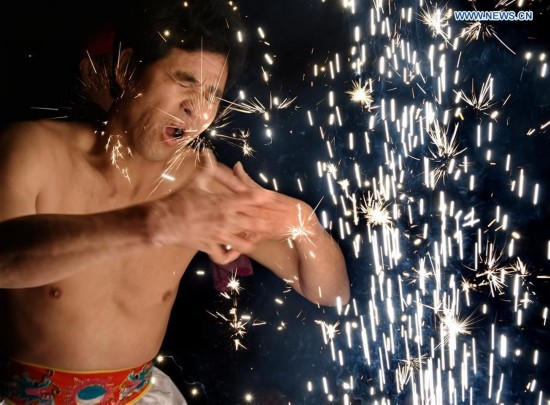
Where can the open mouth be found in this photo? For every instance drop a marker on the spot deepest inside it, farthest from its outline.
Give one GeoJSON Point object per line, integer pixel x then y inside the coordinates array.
{"type": "Point", "coordinates": [174, 132]}
{"type": "Point", "coordinates": [173, 135]}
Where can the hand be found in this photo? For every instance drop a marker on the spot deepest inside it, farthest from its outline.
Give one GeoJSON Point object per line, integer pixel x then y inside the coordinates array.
{"type": "Point", "coordinates": [286, 217]}
{"type": "Point", "coordinates": [216, 212]}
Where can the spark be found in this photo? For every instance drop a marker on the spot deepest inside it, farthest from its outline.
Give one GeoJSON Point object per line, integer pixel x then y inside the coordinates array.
{"type": "Point", "coordinates": [329, 330]}
{"type": "Point", "coordinates": [287, 102]}
{"type": "Point", "coordinates": [234, 284]}
{"type": "Point", "coordinates": [482, 101]}
{"type": "Point", "coordinates": [407, 368]}
{"type": "Point", "coordinates": [493, 272]}
{"type": "Point", "coordinates": [504, 3]}
{"type": "Point", "coordinates": [467, 285]}
{"type": "Point", "coordinates": [302, 230]}
{"type": "Point", "coordinates": [446, 150]}
{"type": "Point", "coordinates": [255, 106]}
{"type": "Point", "coordinates": [114, 147]}
{"type": "Point", "coordinates": [375, 211]}
{"type": "Point", "coordinates": [362, 94]}
{"type": "Point", "coordinates": [453, 325]}
{"type": "Point", "coordinates": [437, 20]}
{"type": "Point", "coordinates": [519, 268]}
{"type": "Point", "coordinates": [478, 29]}
{"type": "Point", "coordinates": [289, 283]}
{"type": "Point", "coordinates": [422, 274]}
{"type": "Point", "coordinates": [237, 326]}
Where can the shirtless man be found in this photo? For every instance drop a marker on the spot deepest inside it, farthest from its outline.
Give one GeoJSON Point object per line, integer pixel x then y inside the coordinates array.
{"type": "Point", "coordinates": [93, 245]}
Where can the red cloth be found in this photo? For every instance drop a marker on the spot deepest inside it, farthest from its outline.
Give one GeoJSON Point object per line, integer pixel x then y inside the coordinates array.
{"type": "Point", "coordinates": [22, 383]}
{"type": "Point", "coordinates": [99, 41]}
{"type": "Point", "coordinates": [222, 273]}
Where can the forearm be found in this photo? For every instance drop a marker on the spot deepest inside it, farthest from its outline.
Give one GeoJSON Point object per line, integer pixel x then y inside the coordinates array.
{"type": "Point", "coordinates": [40, 249]}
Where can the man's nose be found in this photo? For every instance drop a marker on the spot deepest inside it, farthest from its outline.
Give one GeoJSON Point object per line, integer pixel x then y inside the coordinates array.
{"type": "Point", "coordinates": [198, 114]}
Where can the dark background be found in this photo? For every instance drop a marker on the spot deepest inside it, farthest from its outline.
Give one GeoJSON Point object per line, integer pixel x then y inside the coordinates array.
{"type": "Point", "coordinates": [40, 48]}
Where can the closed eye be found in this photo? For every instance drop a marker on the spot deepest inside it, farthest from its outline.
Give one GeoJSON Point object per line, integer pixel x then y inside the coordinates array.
{"type": "Point", "coordinates": [188, 81]}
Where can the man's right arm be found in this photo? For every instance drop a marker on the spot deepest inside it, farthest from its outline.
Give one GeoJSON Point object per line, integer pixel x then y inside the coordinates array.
{"type": "Point", "coordinates": [39, 249]}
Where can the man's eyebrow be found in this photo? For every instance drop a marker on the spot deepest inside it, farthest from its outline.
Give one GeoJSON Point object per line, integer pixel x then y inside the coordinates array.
{"type": "Point", "coordinates": [186, 77]}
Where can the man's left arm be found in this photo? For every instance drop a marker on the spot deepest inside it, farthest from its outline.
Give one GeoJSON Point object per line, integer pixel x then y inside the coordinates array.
{"type": "Point", "coordinates": [299, 250]}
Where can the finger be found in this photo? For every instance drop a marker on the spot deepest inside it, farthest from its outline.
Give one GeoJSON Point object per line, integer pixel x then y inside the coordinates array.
{"type": "Point", "coordinates": [220, 255]}
{"type": "Point", "coordinates": [239, 171]}
{"type": "Point", "coordinates": [207, 159]}
{"type": "Point", "coordinates": [237, 242]}
{"type": "Point", "coordinates": [208, 166]}
{"type": "Point", "coordinates": [249, 228]}
{"type": "Point", "coordinates": [225, 176]}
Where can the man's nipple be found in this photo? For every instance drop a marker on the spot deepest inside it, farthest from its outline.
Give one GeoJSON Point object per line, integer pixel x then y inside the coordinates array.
{"type": "Point", "coordinates": [166, 296]}
{"type": "Point", "coordinates": [55, 292]}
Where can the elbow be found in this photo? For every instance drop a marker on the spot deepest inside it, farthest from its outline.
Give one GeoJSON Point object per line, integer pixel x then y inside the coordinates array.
{"type": "Point", "coordinates": [337, 301]}
{"type": "Point", "coordinates": [340, 299]}
{"type": "Point", "coordinates": [337, 297]}
{"type": "Point", "coordinates": [345, 297]}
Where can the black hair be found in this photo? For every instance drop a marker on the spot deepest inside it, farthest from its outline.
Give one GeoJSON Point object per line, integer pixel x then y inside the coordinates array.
{"type": "Point", "coordinates": [152, 28]}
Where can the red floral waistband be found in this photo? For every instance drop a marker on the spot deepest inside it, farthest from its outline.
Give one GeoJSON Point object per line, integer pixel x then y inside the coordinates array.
{"type": "Point", "coordinates": [22, 383]}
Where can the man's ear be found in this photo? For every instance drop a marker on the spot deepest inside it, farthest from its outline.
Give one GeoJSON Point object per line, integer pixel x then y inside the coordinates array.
{"type": "Point", "coordinates": [86, 71]}
{"type": "Point", "coordinates": [123, 68]}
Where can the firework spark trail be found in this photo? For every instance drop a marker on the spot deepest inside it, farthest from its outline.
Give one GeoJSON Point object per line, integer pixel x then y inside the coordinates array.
{"type": "Point", "coordinates": [406, 213]}
{"type": "Point", "coordinates": [439, 265]}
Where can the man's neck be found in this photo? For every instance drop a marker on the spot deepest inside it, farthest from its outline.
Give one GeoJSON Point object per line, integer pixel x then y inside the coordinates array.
{"type": "Point", "coordinates": [131, 175]}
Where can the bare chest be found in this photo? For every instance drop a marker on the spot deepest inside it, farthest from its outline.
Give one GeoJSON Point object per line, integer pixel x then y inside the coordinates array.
{"type": "Point", "coordinates": [152, 273]}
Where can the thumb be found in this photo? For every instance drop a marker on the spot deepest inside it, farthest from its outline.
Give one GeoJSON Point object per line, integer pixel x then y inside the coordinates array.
{"type": "Point", "coordinates": [208, 164]}
{"type": "Point", "coordinates": [239, 171]}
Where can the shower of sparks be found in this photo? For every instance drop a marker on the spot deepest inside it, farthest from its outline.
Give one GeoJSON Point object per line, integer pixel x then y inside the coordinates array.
{"type": "Point", "coordinates": [237, 322]}
{"type": "Point", "coordinates": [427, 254]}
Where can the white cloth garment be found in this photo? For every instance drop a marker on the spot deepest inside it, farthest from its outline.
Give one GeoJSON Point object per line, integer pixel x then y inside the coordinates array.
{"type": "Point", "coordinates": [162, 392]}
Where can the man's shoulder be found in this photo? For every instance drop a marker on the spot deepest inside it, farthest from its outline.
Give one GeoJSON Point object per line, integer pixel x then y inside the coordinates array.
{"type": "Point", "coordinates": [39, 137]}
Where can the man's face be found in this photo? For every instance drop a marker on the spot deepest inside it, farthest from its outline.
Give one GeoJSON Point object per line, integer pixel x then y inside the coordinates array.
{"type": "Point", "coordinates": [176, 100]}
